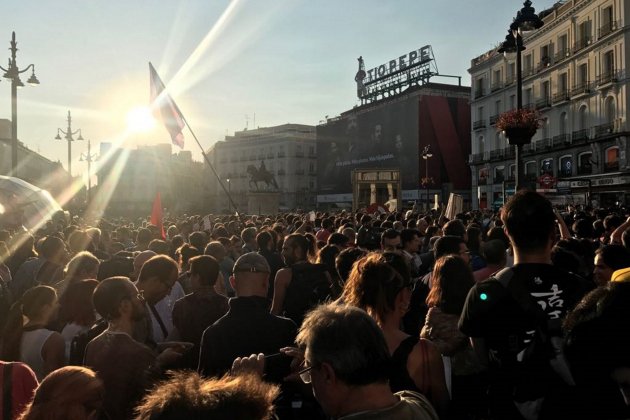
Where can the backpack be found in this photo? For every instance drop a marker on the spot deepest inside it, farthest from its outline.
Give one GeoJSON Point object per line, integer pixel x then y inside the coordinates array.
{"type": "Point", "coordinates": [80, 341]}
{"type": "Point", "coordinates": [310, 286]}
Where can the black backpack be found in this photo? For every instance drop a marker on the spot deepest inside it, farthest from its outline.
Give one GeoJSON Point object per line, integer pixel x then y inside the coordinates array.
{"type": "Point", "coordinates": [81, 340]}
{"type": "Point", "coordinates": [310, 286]}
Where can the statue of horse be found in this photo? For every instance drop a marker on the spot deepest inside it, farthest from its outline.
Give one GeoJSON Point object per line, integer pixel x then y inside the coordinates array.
{"type": "Point", "coordinates": [261, 174]}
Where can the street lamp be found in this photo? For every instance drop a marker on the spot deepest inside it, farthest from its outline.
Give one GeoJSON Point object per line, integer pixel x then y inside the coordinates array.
{"type": "Point", "coordinates": [229, 195]}
{"type": "Point", "coordinates": [526, 20]}
{"type": "Point", "coordinates": [12, 73]}
{"type": "Point", "coordinates": [68, 136]}
{"type": "Point", "coordinates": [89, 158]}
{"type": "Point", "coordinates": [426, 155]}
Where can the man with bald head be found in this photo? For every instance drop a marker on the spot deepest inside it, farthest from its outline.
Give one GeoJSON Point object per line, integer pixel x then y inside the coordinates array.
{"type": "Point", "coordinates": [248, 327]}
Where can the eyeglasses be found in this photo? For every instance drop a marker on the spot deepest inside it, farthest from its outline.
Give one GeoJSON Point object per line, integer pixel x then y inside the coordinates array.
{"type": "Point", "coordinates": [305, 374]}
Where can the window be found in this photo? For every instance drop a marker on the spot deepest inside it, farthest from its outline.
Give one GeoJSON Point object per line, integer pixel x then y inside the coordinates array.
{"type": "Point", "coordinates": [499, 174]}
{"type": "Point", "coordinates": [545, 128]}
{"type": "Point", "coordinates": [480, 115]}
{"type": "Point", "coordinates": [584, 33]}
{"type": "Point", "coordinates": [481, 144]}
{"type": "Point", "coordinates": [565, 166]}
{"type": "Point", "coordinates": [608, 63]}
{"type": "Point", "coordinates": [545, 91]}
{"type": "Point", "coordinates": [512, 101]}
{"type": "Point", "coordinates": [497, 141]}
{"type": "Point", "coordinates": [563, 46]}
{"type": "Point", "coordinates": [512, 171]}
{"type": "Point", "coordinates": [585, 163]}
{"type": "Point", "coordinates": [583, 118]}
{"type": "Point", "coordinates": [530, 170]}
{"type": "Point", "coordinates": [583, 74]}
{"type": "Point", "coordinates": [527, 66]}
{"type": "Point", "coordinates": [563, 123]}
{"type": "Point", "coordinates": [497, 107]}
{"type": "Point", "coordinates": [607, 21]}
{"type": "Point", "coordinates": [546, 167]}
{"type": "Point", "coordinates": [483, 176]}
{"type": "Point", "coordinates": [511, 76]}
{"type": "Point", "coordinates": [562, 82]}
{"type": "Point", "coordinates": [497, 77]}
{"type": "Point", "coordinates": [610, 110]}
{"type": "Point", "coordinates": [527, 97]}
{"type": "Point", "coordinates": [612, 158]}
{"type": "Point", "coordinates": [479, 87]}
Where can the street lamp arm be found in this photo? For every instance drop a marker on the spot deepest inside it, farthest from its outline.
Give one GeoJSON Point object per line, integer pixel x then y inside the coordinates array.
{"type": "Point", "coordinates": [25, 69]}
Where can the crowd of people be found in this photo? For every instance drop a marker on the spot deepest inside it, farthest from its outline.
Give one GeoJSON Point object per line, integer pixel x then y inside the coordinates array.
{"type": "Point", "coordinates": [519, 314]}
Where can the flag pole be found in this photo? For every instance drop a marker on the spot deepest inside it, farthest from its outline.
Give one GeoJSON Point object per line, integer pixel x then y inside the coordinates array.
{"type": "Point", "coordinates": [181, 115]}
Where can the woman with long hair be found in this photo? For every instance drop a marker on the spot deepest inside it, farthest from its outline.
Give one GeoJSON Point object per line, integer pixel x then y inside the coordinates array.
{"type": "Point", "coordinates": [76, 311]}
{"type": "Point", "coordinates": [378, 288]}
{"type": "Point", "coordinates": [26, 337]}
{"type": "Point", "coordinates": [451, 281]}
{"type": "Point", "coordinates": [69, 393]}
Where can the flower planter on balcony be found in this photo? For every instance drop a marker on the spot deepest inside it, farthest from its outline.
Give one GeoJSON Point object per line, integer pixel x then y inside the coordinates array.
{"type": "Point", "coordinates": [519, 135]}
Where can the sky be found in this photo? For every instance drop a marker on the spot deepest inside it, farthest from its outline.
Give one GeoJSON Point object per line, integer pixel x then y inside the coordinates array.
{"type": "Point", "coordinates": [227, 64]}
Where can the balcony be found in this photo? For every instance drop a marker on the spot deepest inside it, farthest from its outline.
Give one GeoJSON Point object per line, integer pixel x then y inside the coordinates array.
{"type": "Point", "coordinates": [580, 136]}
{"type": "Point", "coordinates": [508, 152]}
{"type": "Point", "coordinates": [496, 86]}
{"type": "Point", "coordinates": [604, 129]}
{"type": "Point", "coordinates": [561, 140]}
{"type": "Point", "coordinates": [494, 118]}
{"type": "Point", "coordinates": [543, 64]}
{"type": "Point", "coordinates": [498, 178]}
{"type": "Point", "coordinates": [479, 93]}
{"type": "Point", "coordinates": [299, 154]}
{"type": "Point", "coordinates": [611, 166]}
{"type": "Point", "coordinates": [580, 89]}
{"type": "Point", "coordinates": [281, 154]}
{"type": "Point", "coordinates": [543, 144]}
{"type": "Point", "coordinates": [608, 28]}
{"type": "Point", "coordinates": [530, 177]}
{"type": "Point", "coordinates": [479, 124]}
{"type": "Point", "coordinates": [482, 181]}
{"type": "Point", "coordinates": [561, 96]}
{"type": "Point", "coordinates": [496, 154]}
{"type": "Point", "coordinates": [561, 56]}
{"type": "Point", "coordinates": [584, 170]}
{"type": "Point", "coordinates": [528, 71]}
{"type": "Point", "coordinates": [510, 81]}
{"type": "Point", "coordinates": [607, 78]}
{"type": "Point", "coordinates": [476, 158]}
{"type": "Point", "coordinates": [542, 103]}
{"type": "Point", "coordinates": [582, 43]}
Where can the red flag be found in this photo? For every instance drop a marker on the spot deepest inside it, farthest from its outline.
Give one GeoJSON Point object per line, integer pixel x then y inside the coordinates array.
{"type": "Point", "coordinates": [168, 111]}
{"type": "Point", "coordinates": [156, 214]}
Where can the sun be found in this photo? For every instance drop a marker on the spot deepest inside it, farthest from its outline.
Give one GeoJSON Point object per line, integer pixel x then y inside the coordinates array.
{"type": "Point", "coordinates": [139, 119]}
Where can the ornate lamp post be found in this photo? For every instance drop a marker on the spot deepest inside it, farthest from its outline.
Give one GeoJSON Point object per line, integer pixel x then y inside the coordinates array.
{"type": "Point", "coordinates": [426, 155]}
{"type": "Point", "coordinates": [229, 191]}
{"type": "Point", "coordinates": [68, 136]}
{"type": "Point", "coordinates": [526, 20]}
{"type": "Point", "coordinates": [89, 158]}
{"type": "Point", "coordinates": [12, 73]}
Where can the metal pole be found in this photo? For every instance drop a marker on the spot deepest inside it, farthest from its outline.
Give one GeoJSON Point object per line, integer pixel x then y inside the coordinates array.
{"type": "Point", "coordinates": [229, 194]}
{"type": "Point", "coordinates": [518, 155]}
{"type": "Point", "coordinates": [89, 162]}
{"type": "Point", "coordinates": [14, 138]}
{"type": "Point", "coordinates": [69, 139]}
{"type": "Point", "coordinates": [426, 178]}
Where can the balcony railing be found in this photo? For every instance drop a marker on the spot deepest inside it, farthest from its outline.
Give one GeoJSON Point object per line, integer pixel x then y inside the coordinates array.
{"type": "Point", "coordinates": [508, 152]}
{"type": "Point", "coordinates": [580, 136]}
{"type": "Point", "coordinates": [605, 78]}
{"type": "Point", "coordinates": [476, 158]}
{"type": "Point", "coordinates": [496, 86]}
{"type": "Point", "coordinates": [564, 172]}
{"type": "Point", "coordinates": [543, 144]}
{"type": "Point", "coordinates": [581, 89]}
{"type": "Point", "coordinates": [584, 170]}
{"type": "Point", "coordinates": [561, 96]}
{"type": "Point", "coordinates": [510, 80]}
{"type": "Point", "coordinates": [528, 71]}
{"type": "Point", "coordinates": [604, 129]}
{"type": "Point", "coordinates": [608, 28]}
{"type": "Point", "coordinates": [498, 179]}
{"type": "Point", "coordinates": [543, 102]}
{"type": "Point", "coordinates": [562, 55]}
{"type": "Point", "coordinates": [479, 93]}
{"type": "Point", "coordinates": [543, 64]}
{"type": "Point", "coordinates": [561, 139]}
{"type": "Point", "coordinates": [494, 118]}
{"type": "Point", "coordinates": [496, 154]}
{"type": "Point", "coordinates": [479, 124]}
{"type": "Point", "coordinates": [582, 43]}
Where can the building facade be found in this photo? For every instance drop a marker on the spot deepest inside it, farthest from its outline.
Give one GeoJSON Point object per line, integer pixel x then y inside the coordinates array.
{"type": "Point", "coordinates": [287, 151]}
{"type": "Point", "coordinates": [574, 73]}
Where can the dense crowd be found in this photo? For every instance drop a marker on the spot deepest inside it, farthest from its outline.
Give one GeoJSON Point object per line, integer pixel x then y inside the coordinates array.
{"type": "Point", "coordinates": [519, 314]}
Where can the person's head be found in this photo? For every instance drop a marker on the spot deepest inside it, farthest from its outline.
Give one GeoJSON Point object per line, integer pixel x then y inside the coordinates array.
{"type": "Point", "coordinates": [248, 235]}
{"type": "Point", "coordinates": [451, 245]}
{"type": "Point", "coordinates": [451, 281]}
{"type": "Point", "coordinates": [204, 271]}
{"type": "Point", "coordinates": [69, 393]}
{"type": "Point", "coordinates": [345, 349]}
{"type": "Point", "coordinates": [75, 304]}
{"type": "Point", "coordinates": [216, 250]}
{"type": "Point", "coordinates": [338, 239]}
{"type": "Point", "coordinates": [473, 233]}
{"type": "Point", "coordinates": [264, 241]}
{"type": "Point", "coordinates": [185, 253]}
{"type": "Point", "coordinates": [410, 239]}
{"type": "Point", "coordinates": [251, 275]}
{"type": "Point", "coordinates": [139, 260]}
{"type": "Point", "coordinates": [198, 240]}
{"type": "Point", "coordinates": [159, 246]}
{"type": "Point", "coordinates": [345, 260]}
{"type": "Point", "coordinates": [494, 251]}
{"type": "Point", "coordinates": [390, 240]}
{"type": "Point", "coordinates": [598, 344]}
{"type": "Point", "coordinates": [455, 228]}
{"type": "Point", "coordinates": [82, 266]}
{"type": "Point", "coordinates": [376, 287]}
{"type": "Point", "coordinates": [143, 238]}
{"type": "Point", "coordinates": [607, 260]}
{"type": "Point", "coordinates": [78, 241]}
{"type": "Point", "coordinates": [38, 305]}
{"type": "Point", "coordinates": [529, 222]}
{"type": "Point", "coordinates": [157, 277]}
{"type": "Point", "coordinates": [351, 234]}
{"type": "Point", "coordinates": [297, 248]}
{"type": "Point", "coordinates": [327, 256]}
{"type": "Point", "coordinates": [188, 395]}
{"type": "Point", "coordinates": [117, 298]}
{"type": "Point", "coordinates": [327, 224]}
{"type": "Point", "coordinates": [53, 249]}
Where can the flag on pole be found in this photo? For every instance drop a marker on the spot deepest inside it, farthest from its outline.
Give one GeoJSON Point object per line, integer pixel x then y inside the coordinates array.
{"type": "Point", "coordinates": [164, 105]}
{"type": "Point", "coordinates": [156, 214]}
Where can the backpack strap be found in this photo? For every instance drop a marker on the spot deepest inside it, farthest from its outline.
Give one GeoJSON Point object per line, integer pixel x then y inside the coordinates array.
{"type": "Point", "coordinates": [7, 397]}
{"type": "Point", "coordinates": [157, 316]}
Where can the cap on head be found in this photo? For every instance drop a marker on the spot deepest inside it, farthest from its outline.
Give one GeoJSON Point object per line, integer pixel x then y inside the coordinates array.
{"type": "Point", "coordinates": [251, 262]}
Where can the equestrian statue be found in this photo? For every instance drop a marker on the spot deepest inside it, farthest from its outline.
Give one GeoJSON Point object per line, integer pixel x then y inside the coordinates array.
{"type": "Point", "coordinates": [261, 174]}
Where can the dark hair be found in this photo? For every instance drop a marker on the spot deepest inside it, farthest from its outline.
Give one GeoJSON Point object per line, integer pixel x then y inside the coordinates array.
{"type": "Point", "coordinates": [451, 281]}
{"type": "Point", "coordinates": [306, 243]}
{"type": "Point", "coordinates": [389, 234]}
{"type": "Point", "coordinates": [263, 239]}
{"type": "Point", "coordinates": [109, 294]}
{"type": "Point", "coordinates": [186, 252]}
{"type": "Point", "coordinates": [454, 228]}
{"type": "Point", "coordinates": [159, 247]}
{"type": "Point", "coordinates": [614, 256]}
{"type": "Point", "coordinates": [49, 246]}
{"type": "Point", "coordinates": [447, 245]}
{"type": "Point", "coordinates": [198, 240]}
{"type": "Point", "coordinates": [494, 250]}
{"type": "Point", "coordinates": [30, 305]}
{"type": "Point", "coordinates": [338, 239]}
{"type": "Point", "coordinates": [144, 236]}
{"type": "Point", "coordinates": [346, 259]}
{"type": "Point", "coordinates": [530, 220]}
{"type": "Point", "coordinates": [206, 267]}
{"type": "Point", "coordinates": [407, 235]}
{"type": "Point", "coordinates": [474, 239]}
{"type": "Point", "coordinates": [75, 304]}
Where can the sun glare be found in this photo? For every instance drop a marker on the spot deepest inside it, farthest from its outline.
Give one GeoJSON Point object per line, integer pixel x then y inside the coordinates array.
{"type": "Point", "coordinates": [139, 119]}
